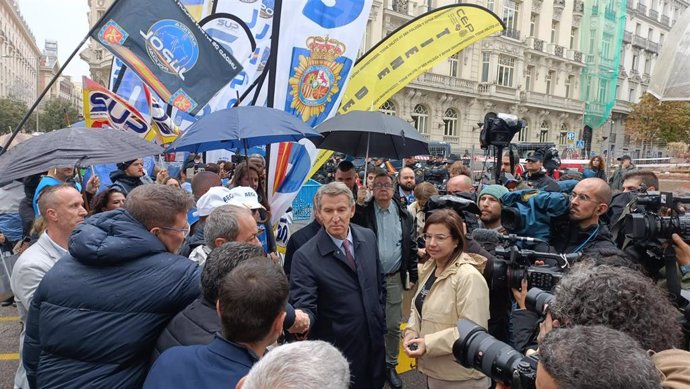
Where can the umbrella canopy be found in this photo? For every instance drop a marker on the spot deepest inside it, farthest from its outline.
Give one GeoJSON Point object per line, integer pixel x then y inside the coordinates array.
{"type": "Point", "coordinates": [671, 78]}
{"type": "Point", "coordinates": [364, 133]}
{"type": "Point", "coordinates": [72, 145]}
{"type": "Point", "coordinates": [242, 127]}
{"type": "Point", "coordinates": [17, 140]}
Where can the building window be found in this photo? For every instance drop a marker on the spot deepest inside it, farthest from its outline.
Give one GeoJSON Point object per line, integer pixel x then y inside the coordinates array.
{"type": "Point", "coordinates": [632, 95]}
{"type": "Point", "coordinates": [506, 67]}
{"type": "Point", "coordinates": [603, 87]}
{"type": "Point", "coordinates": [573, 38]}
{"type": "Point", "coordinates": [549, 82]}
{"type": "Point", "coordinates": [420, 116]}
{"type": "Point", "coordinates": [523, 134]}
{"type": "Point", "coordinates": [388, 108]}
{"type": "Point", "coordinates": [533, 25]}
{"type": "Point", "coordinates": [510, 15]}
{"type": "Point", "coordinates": [635, 62]}
{"type": "Point", "coordinates": [450, 122]}
{"type": "Point", "coordinates": [554, 31]}
{"type": "Point", "coordinates": [638, 29]}
{"type": "Point", "coordinates": [661, 39]}
{"type": "Point", "coordinates": [486, 59]}
{"type": "Point", "coordinates": [490, 4]}
{"type": "Point", "coordinates": [650, 34]}
{"type": "Point", "coordinates": [528, 78]}
{"type": "Point", "coordinates": [568, 87]}
{"type": "Point", "coordinates": [544, 132]}
{"type": "Point", "coordinates": [453, 63]}
{"type": "Point", "coordinates": [648, 64]}
{"type": "Point", "coordinates": [606, 46]}
{"type": "Point", "coordinates": [562, 137]}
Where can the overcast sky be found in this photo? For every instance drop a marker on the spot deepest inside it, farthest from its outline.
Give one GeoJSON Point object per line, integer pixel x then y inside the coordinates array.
{"type": "Point", "coordinates": [62, 20]}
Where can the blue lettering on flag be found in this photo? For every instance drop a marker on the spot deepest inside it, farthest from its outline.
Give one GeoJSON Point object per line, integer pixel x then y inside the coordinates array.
{"type": "Point", "coordinates": [343, 12]}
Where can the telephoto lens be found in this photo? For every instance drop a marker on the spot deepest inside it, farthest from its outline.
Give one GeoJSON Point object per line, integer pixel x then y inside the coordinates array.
{"type": "Point", "coordinates": [476, 349]}
{"type": "Point", "coordinates": [537, 300]}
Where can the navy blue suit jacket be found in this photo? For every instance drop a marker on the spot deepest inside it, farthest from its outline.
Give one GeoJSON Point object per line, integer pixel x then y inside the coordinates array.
{"type": "Point", "coordinates": [218, 365]}
{"type": "Point", "coordinates": [346, 308]}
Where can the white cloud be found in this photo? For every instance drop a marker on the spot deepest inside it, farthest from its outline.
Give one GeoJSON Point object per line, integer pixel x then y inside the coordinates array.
{"type": "Point", "coordinates": [62, 20]}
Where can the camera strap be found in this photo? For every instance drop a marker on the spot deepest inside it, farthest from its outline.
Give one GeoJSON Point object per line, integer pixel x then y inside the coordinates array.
{"type": "Point", "coordinates": [672, 278]}
{"type": "Point", "coordinates": [419, 300]}
{"type": "Point", "coordinates": [589, 238]}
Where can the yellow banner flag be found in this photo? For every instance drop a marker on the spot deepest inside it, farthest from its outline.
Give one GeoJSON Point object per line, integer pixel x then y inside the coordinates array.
{"type": "Point", "coordinates": [411, 50]}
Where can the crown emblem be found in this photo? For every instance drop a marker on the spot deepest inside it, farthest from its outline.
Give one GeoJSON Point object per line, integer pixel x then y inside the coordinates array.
{"type": "Point", "coordinates": [325, 49]}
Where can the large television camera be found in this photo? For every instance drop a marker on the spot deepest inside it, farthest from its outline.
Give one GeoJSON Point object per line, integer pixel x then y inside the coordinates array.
{"type": "Point", "coordinates": [541, 269]}
{"type": "Point", "coordinates": [476, 349]}
{"type": "Point", "coordinates": [499, 129]}
{"type": "Point", "coordinates": [645, 222]}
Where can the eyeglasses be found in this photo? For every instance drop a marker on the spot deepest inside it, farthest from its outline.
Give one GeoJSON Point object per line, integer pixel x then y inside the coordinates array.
{"type": "Point", "coordinates": [582, 197]}
{"type": "Point", "coordinates": [184, 230]}
{"type": "Point", "coordinates": [438, 238]}
{"type": "Point", "coordinates": [383, 186]}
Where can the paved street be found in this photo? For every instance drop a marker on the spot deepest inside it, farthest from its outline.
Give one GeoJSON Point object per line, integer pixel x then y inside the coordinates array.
{"type": "Point", "coordinates": [9, 345]}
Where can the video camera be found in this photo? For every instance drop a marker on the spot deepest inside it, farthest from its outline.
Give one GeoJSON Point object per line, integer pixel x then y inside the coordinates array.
{"type": "Point", "coordinates": [466, 208]}
{"type": "Point", "coordinates": [499, 129]}
{"type": "Point", "coordinates": [517, 264]}
{"type": "Point", "coordinates": [644, 221]}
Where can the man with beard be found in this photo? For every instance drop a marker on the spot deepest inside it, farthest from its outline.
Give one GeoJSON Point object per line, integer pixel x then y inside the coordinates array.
{"type": "Point", "coordinates": [582, 231]}
{"type": "Point", "coordinates": [490, 206]}
{"type": "Point", "coordinates": [405, 188]}
{"type": "Point", "coordinates": [129, 175]}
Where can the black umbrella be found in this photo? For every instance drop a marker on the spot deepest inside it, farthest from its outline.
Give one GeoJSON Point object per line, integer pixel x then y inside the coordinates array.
{"type": "Point", "coordinates": [72, 146]}
{"type": "Point", "coordinates": [365, 133]}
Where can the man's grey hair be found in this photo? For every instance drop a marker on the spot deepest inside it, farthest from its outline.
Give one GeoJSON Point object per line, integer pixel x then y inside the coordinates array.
{"type": "Point", "coordinates": [156, 205]}
{"type": "Point", "coordinates": [223, 222]}
{"type": "Point", "coordinates": [222, 261]}
{"type": "Point", "coordinates": [311, 364]}
{"type": "Point", "coordinates": [589, 357]}
{"type": "Point", "coordinates": [619, 298]}
{"type": "Point", "coordinates": [333, 189]}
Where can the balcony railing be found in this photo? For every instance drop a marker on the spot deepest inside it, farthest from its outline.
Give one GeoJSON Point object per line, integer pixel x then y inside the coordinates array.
{"type": "Point", "coordinates": [610, 14]}
{"type": "Point", "coordinates": [578, 7]}
{"type": "Point", "coordinates": [559, 4]}
{"type": "Point", "coordinates": [400, 6]}
{"type": "Point", "coordinates": [627, 37]}
{"type": "Point", "coordinates": [539, 45]}
{"type": "Point", "coordinates": [559, 50]}
{"type": "Point", "coordinates": [554, 101]}
{"type": "Point", "coordinates": [595, 10]}
{"type": "Point", "coordinates": [451, 139]}
{"type": "Point", "coordinates": [639, 41]}
{"type": "Point", "coordinates": [653, 46]}
{"type": "Point", "coordinates": [446, 82]}
{"type": "Point", "coordinates": [665, 20]}
{"type": "Point", "coordinates": [511, 33]}
{"type": "Point", "coordinates": [642, 8]}
{"type": "Point", "coordinates": [577, 56]}
{"type": "Point", "coordinates": [654, 14]}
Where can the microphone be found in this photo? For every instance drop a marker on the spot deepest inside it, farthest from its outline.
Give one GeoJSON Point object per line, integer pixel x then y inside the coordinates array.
{"type": "Point", "coordinates": [482, 235]}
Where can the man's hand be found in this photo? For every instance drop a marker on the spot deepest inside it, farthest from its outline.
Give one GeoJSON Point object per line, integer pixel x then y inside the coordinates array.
{"type": "Point", "coordinates": [2, 238]}
{"type": "Point", "coordinates": [93, 184]}
{"type": "Point", "coordinates": [161, 176]}
{"type": "Point", "coordinates": [520, 295]}
{"type": "Point", "coordinates": [361, 195]}
{"type": "Point", "coordinates": [682, 250]}
{"type": "Point", "coordinates": [301, 324]}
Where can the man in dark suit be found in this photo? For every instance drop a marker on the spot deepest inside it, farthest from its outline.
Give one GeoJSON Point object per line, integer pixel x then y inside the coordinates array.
{"type": "Point", "coordinates": [337, 279]}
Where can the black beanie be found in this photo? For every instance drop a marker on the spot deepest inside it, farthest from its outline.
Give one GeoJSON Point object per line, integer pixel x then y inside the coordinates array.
{"type": "Point", "coordinates": [124, 165]}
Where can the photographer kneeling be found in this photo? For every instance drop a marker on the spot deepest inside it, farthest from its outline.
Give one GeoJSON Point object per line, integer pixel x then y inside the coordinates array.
{"type": "Point", "coordinates": [583, 230]}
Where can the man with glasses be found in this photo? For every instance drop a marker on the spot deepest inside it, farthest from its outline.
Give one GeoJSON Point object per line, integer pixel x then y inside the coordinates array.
{"type": "Point", "coordinates": [583, 231]}
{"type": "Point", "coordinates": [97, 313]}
{"type": "Point", "coordinates": [397, 249]}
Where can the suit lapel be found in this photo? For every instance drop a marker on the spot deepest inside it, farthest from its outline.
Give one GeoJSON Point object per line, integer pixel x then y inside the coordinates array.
{"type": "Point", "coordinates": [327, 247]}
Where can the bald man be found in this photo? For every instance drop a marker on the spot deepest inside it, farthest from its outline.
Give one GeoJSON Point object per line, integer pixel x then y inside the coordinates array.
{"type": "Point", "coordinates": [583, 230]}
{"type": "Point", "coordinates": [460, 184]}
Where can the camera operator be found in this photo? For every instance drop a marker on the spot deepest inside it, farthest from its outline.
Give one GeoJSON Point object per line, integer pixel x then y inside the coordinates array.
{"type": "Point", "coordinates": [490, 206]}
{"type": "Point", "coordinates": [635, 180]}
{"type": "Point", "coordinates": [536, 175]}
{"type": "Point", "coordinates": [682, 250]}
{"type": "Point", "coordinates": [582, 230]}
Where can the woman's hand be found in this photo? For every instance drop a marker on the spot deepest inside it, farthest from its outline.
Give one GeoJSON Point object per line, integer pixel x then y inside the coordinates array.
{"type": "Point", "coordinates": [415, 348]}
{"type": "Point", "coordinates": [161, 176]}
{"type": "Point", "coordinates": [408, 335]}
{"type": "Point", "coordinates": [93, 184]}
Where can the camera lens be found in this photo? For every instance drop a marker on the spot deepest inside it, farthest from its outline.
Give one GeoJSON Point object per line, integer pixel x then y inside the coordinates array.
{"type": "Point", "coordinates": [537, 300]}
{"type": "Point", "coordinates": [476, 349]}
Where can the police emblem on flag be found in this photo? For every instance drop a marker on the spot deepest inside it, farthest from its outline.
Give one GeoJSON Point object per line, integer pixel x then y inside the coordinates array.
{"type": "Point", "coordinates": [315, 80]}
{"type": "Point", "coordinates": [112, 34]}
{"type": "Point", "coordinates": [181, 100]}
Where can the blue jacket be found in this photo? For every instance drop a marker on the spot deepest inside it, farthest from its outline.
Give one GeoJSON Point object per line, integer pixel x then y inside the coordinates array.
{"type": "Point", "coordinates": [218, 365]}
{"type": "Point", "coordinates": [102, 307]}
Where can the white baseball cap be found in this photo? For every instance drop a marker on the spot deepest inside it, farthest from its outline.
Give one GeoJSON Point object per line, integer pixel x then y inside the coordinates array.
{"type": "Point", "coordinates": [244, 196]}
{"type": "Point", "coordinates": [215, 197]}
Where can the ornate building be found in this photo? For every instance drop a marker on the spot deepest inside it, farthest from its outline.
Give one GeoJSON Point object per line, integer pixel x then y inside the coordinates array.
{"type": "Point", "coordinates": [98, 58]}
{"type": "Point", "coordinates": [19, 55]}
{"type": "Point", "coordinates": [531, 70]}
{"type": "Point", "coordinates": [647, 25]}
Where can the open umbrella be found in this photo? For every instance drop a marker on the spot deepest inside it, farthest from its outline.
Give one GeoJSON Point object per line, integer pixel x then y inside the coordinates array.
{"type": "Point", "coordinates": [72, 146]}
{"type": "Point", "coordinates": [242, 127]}
{"type": "Point", "coordinates": [365, 133]}
{"type": "Point", "coordinates": [671, 78]}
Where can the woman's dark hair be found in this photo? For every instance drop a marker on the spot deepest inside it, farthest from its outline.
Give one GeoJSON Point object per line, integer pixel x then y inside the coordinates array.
{"type": "Point", "coordinates": [168, 178]}
{"type": "Point", "coordinates": [242, 170]}
{"type": "Point", "coordinates": [453, 222]}
{"type": "Point", "coordinates": [100, 201]}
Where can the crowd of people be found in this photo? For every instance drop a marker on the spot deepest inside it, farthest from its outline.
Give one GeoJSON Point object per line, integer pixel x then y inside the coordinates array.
{"type": "Point", "coordinates": [177, 282]}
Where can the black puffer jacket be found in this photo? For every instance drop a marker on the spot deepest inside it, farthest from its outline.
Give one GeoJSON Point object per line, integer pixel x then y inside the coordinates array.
{"type": "Point", "coordinates": [126, 183]}
{"type": "Point", "coordinates": [96, 315]}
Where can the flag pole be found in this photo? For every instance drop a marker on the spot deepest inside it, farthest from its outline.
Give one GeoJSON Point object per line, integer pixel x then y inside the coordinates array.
{"type": "Point", "coordinates": [55, 78]}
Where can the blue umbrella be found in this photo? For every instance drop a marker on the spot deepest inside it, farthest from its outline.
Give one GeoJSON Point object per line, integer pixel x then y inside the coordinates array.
{"type": "Point", "coordinates": [242, 128]}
